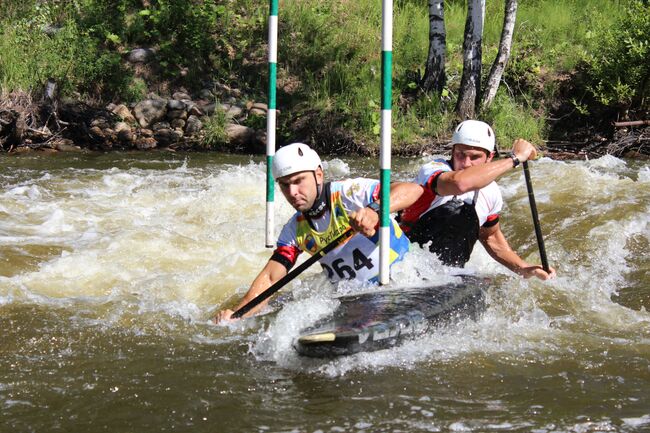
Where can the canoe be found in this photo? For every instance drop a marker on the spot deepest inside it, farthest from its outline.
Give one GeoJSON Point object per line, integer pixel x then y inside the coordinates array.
{"type": "Point", "coordinates": [382, 319]}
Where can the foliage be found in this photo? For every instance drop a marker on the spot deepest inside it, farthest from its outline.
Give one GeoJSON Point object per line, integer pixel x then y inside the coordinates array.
{"type": "Point", "coordinates": [31, 56]}
{"type": "Point", "coordinates": [510, 121]}
{"type": "Point", "coordinates": [214, 130]}
{"type": "Point", "coordinates": [329, 59]}
{"type": "Point", "coordinates": [619, 70]}
{"type": "Point", "coordinates": [83, 43]}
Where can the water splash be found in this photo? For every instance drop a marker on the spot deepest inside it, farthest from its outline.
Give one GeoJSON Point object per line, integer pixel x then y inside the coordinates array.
{"type": "Point", "coordinates": [175, 242]}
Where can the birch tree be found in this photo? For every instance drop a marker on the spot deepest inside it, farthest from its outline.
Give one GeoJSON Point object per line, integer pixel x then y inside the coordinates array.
{"type": "Point", "coordinates": [434, 74]}
{"type": "Point", "coordinates": [505, 44]}
{"type": "Point", "coordinates": [470, 85]}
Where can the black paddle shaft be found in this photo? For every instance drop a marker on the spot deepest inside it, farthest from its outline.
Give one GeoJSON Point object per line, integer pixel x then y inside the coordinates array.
{"type": "Point", "coordinates": [291, 275]}
{"type": "Point", "coordinates": [533, 210]}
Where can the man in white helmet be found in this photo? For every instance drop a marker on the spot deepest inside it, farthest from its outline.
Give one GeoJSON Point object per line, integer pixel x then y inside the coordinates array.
{"type": "Point", "coordinates": [324, 211]}
{"type": "Point", "coordinates": [461, 201]}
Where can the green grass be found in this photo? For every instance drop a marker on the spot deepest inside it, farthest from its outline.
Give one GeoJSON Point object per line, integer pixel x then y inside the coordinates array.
{"type": "Point", "coordinates": [29, 56]}
{"type": "Point", "coordinates": [214, 130]}
{"type": "Point", "coordinates": [338, 59]}
{"type": "Point", "coordinates": [562, 31]}
{"type": "Point", "coordinates": [511, 121]}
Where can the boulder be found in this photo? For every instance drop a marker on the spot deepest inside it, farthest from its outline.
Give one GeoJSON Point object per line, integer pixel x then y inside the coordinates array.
{"type": "Point", "coordinates": [175, 104]}
{"type": "Point", "coordinates": [177, 114]}
{"type": "Point", "coordinates": [181, 96]}
{"type": "Point", "coordinates": [177, 123]}
{"type": "Point", "coordinates": [160, 125]}
{"type": "Point", "coordinates": [141, 55]}
{"type": "Point", "coordinates": [240, 135]}
{"type": "Point", "coordinates": [193, 125]}
{"type": "Point", "coordinates": [123, 112]}
{"type": "Point", "coordinates": [150, 111]}
{"type": "Point", "coordinates": [145, 143]}
{"type": "Point", "coordinates": [121, 126]}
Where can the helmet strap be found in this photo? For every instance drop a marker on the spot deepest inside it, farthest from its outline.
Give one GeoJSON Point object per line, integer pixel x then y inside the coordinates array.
{"type": "Point", "coordinates": [320, 204]}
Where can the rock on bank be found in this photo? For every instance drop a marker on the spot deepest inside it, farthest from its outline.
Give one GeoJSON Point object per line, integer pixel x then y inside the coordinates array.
{"type": "Point", "coordinates": [177, 122]}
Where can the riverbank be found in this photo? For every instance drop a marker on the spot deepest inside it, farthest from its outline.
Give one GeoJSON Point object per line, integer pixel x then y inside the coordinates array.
{"type": "Point", "coordinates": [209, 120]}
{"type": "Point", "coordinates": [163, 76]}
{"type": "Point", "coordinates": [185, 122]}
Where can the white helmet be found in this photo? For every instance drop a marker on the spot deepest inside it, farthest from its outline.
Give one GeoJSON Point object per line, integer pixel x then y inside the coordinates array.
{"type": "Point", "coordinates": [474, 133]}
{"type": "Point", "coordinates": [294, 158]}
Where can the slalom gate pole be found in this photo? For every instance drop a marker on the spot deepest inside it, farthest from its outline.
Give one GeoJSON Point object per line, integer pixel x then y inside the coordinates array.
{"type": "Point", "coordinates": [385, 137]}
{"type": "Point", "coordinates": [271, 121]}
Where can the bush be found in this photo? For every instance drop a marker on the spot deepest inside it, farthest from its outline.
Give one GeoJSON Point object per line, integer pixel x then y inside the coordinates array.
{"type": "Point", "coordinates": [619, 70]}
{"type": "Point", "coordinates": [81, 43]}
{"type": "Point", "coordinates": [214, 130]}
{"type": "Point", "coordinates": [49, 43]}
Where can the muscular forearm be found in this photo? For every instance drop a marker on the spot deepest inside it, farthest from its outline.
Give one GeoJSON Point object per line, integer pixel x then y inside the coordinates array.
{"type": "Point", "coordinates": [261, 283]}
{"type": "Point", "coordinates": [499, 249]}
{"type": "Point", "coordinates": [472, 178]}
{"type": "Point", "coordinates": [479, 176]}
{"type": "Point", "coordinates": [509, 259]}
{"type": "Point", "coordinates": [403, 195]}
{"type": "Point", "coordinates": [272, 272]}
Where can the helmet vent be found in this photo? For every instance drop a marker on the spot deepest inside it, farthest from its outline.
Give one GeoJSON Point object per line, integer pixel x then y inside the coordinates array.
{"type": "Point", "coordinates": [300, 152]}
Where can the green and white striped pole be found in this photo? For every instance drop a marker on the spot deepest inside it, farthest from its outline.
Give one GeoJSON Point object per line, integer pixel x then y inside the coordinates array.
{"type": "Point", "coordinates": [271, 120]}
{"type": "Point", "coordinates": [386, 128]}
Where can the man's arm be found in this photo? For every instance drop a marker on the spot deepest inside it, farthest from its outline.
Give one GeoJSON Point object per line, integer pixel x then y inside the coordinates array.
{"type": "Point", "coordinates": [402, 195]}
{"type": "Point", "coordinates": [272, 272]}
{"type": "Point", "coordinates": [478, 176]}
{"type": "Point", "coordinates": [497, 246]}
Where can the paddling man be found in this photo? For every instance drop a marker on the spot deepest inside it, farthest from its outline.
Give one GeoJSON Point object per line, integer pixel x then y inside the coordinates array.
{"type": "Point", "coordinates": [324, 211]}
{"type": "Point", "coordinates": [461, 201]}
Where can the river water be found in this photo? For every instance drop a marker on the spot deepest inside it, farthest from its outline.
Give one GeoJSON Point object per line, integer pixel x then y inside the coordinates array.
{"type": "Point", "coordinates": [111, 266]}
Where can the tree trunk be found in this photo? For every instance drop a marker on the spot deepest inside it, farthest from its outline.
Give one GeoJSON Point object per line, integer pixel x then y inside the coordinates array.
{"type": "Point", "coordinates": [470, 85]}
{"type": "Point", "coordinates": [434, 73]}
{"type": "Point", "coordinates": [499, 65]}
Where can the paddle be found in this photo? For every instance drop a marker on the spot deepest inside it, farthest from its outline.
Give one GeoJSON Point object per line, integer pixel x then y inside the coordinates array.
{"type": "Point", "coordinates": [291, 275]}
{"type": "Point", "coordinates": [533, 210]}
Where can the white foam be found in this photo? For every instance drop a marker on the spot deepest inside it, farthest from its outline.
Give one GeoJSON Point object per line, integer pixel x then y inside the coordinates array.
{"type": "Point", "coordinates": [135, 243]}
{"type": "Point", "coordinates": [637, 421]}
{"type": "Point", "coordinates": [336, 168]}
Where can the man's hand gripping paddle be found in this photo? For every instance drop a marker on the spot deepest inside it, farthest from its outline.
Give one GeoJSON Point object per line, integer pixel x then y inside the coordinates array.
{"type": "Point", "coordinates": [291, 275]}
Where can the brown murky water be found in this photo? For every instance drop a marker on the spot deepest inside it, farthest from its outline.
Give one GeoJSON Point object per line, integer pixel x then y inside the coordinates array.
{"type": "Point", "coordinates": [111, 266]}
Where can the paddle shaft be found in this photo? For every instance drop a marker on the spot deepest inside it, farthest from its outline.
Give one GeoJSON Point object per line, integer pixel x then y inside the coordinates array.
{"type": "Point", "coordinates": [533, 210]}
{"type": "Point", "coordinates": [291, 275]}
